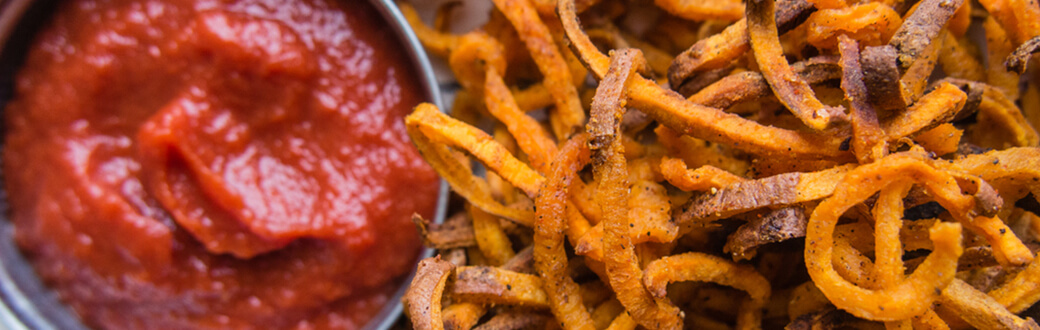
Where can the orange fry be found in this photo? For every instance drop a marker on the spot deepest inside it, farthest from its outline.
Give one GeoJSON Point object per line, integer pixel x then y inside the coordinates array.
{"type": "Point", "coordinates": [792, 91]}
{"type": "Point", "coordinates": [913, 295]}
{"type": "Point", "coordinates": [550, 258]}
{"type": "Point", "coordinates": [569, 113]}
{"type": "Point", "coordinates": [610, 170]}
{"type": "Point", "coordinates": [693, 266]}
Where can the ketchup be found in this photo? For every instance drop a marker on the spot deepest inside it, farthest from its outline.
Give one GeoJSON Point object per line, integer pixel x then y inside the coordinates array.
{"type": "Point", "coordinates": [200, 163]}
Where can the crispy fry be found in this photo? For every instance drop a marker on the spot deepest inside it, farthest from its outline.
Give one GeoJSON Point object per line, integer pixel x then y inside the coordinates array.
{"type": "Point", "coordinates": [492, 285]}
{"type": "Point", "coordinates": [697, 153]}
{"type": "Point", "coordinates": [515, 320]}
{"type": "Point", "coordinates": [941, 140]}
{"type": "Point", "coordinates": [609, 169]}
{"type": "Point", "coordinates": [919, 289]}
{"type": "Point", "coordinates": [455, 232]}
{"type": "Point", "coordinates": [491, 240]}
{"type": "Point", "coordinates": [871, 24]}
{"type": "Point", "coordinates": [1007, 248]}
{"type": "Point", "coordinates": [1020, 57]}
{"type": "Point", "coordinates": [550, 257]}
{"type": "Point", "coordinates": [958, 24]}
{"type": "Point", "coordinates": [462, 316]}
{"type": "Point", "coordinates": [568, 114]}
{"type": "Point", "coordinates": [434, 41]}
{"type": "Point", "coordinates": [936, 107]}
{"type": "Point", "coordinates": [703, 178]}
{"type": "Point", "coordinates": [623, 321]}
{"type": "Point", "coordinates": [742, 146]}
{"type": "Point", "coordinates": [980, 310]}
{"type": "Point", "coordinates": [422, 301]}
{"type": "Point", "coordinates": [688, 118]}
{"type": "Point", "coordinates": [775, 226]}
{"type": "Point", "coordinates": [888, 249]}
{"type": "Point", "coordinates": [915, 79]}
{"type": "Point", "coordinates": [726, 10]}
{"type": "Point", "coordinates": [740, 197]}
{"type": "Point", "coordinates": [649, 220]}
{"type": "Point", "coordinates": [920, 29]}
{"type": "Point", "coordinates": [868, 139]}
{"type": "Point", "coordinates": [792, 91]}
{"type": "Point", "coordinates": [693, 266]}
{"type": "Point", "coordinates": [881, 75]}
{"type": "Point", "coordinates": [431, 124]}
{"type": "Point", "coordinates": [720, 49]}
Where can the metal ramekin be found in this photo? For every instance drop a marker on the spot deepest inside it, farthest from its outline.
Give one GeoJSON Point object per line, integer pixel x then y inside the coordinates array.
{"type": "Point", "coordinates": [25, 303]}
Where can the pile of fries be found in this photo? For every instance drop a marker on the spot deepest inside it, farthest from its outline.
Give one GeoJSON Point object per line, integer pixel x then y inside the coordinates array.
{"type": "Point", "coordinates": [711, 164]}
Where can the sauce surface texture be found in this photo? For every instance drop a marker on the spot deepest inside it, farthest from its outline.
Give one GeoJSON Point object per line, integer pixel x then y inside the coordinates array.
{"type": "Point", "coordinates": [199, 163]}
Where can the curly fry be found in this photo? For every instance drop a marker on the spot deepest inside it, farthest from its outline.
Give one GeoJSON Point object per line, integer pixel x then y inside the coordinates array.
{"type": "Point", "coordinates": [792, 91]}
{"type": "Point", "coordinates": [427, 120]}
{"type": "Point", "coordinates": [888, 250]}
{"type": "Point", "coordinates": [941, 140]}
{"type": "Point", "coordinates": [699, 10]}
{"type": "Point", "coordinates": [569, 115]}
{"type": "Point", "coordinates": [775, 226]}
{"type": "Point", "coordinates": [871, 24]}
{"type": "Point", "coordinates": [693, 266]}
{"type": "Point", "coordinates": [550, 257]}
{"type": "Point", "coordinates": [490, 238]}
{"type": "Point", "coordinates": [493, 285]}
{"type": "Point", "coordinates": [435, 41]}
{"type": "Point", "coordinates": [703, 178]}
{"type": "Point", "coordinates": [868, 141]}
{"type": "Point", "coordinates": [919, 289]}
{"type": "Point", "coordinates": [422, 301]}
{"type": "Point", "coordinates": [649, 220]}
{"type": "Point", "coordinates": [936, 107]}
{"type": "Point", "coordinates": [455, 232]}
{"type": "Point", "coordinates": [915, 79]}
{"type": "Point", "coordinates": [609, 169]}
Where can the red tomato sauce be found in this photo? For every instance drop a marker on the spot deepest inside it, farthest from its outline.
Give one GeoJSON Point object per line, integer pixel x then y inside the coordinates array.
{"type": "Point", "coordinates": [217, 163]}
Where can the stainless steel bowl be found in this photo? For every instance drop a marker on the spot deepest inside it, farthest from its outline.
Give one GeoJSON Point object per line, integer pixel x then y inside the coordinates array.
{"type": "Point", "coordinates": [25, 302]}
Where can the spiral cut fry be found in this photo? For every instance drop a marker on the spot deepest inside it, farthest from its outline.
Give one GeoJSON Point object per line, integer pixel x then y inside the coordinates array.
{"type": "Point", "coordinates": [792, 91]}
{"type": "Point", "coordinates": [609, 169]}
{"type": "Point", "coordinates": [884, 155]}
{"type": "Point", "coordinates": [422, 301]}
{"type": "Point", "coordinates": [694, 266]}
{"type": "Point", "coordinates": [910, 296]}
{"type": "Point", "coordinates": [550, 257]}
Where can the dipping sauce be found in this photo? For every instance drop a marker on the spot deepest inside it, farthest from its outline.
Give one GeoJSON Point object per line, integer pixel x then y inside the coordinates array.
{"type": "Point", "coordinates": [210, 163]}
